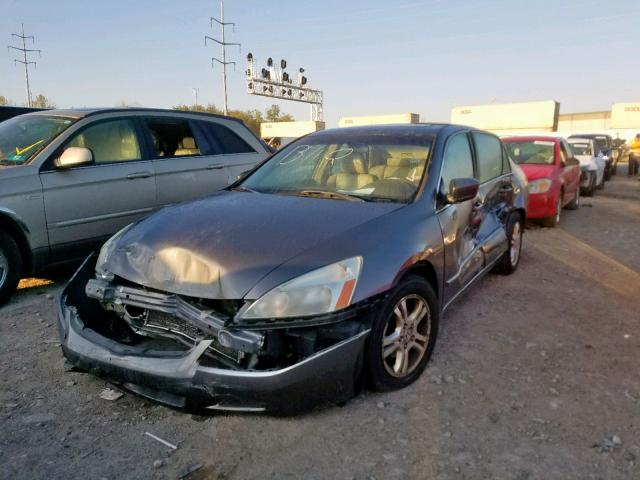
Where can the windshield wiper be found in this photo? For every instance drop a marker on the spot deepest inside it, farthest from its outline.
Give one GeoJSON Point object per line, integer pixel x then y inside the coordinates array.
{"type": "Point", "coordinates": [240, 188]}
{"type": "Point", "coordinates": [334, 195]}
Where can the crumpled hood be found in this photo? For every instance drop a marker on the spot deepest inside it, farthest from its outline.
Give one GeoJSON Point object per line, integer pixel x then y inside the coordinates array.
{"type": "Point", "coordinates": [221, 246]}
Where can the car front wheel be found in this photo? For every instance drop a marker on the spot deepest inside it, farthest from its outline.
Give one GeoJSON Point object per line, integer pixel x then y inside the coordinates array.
{"type": "Point", "coordinates": [403, 336]}
{"type": "Point", "coordinates": [10, 266]}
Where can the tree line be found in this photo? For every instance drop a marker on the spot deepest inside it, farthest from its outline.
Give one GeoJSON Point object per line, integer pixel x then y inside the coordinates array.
{"type": "Point", "coordinates": [40, 101]}
{"type": "Point", "coordinates": [251, 118]}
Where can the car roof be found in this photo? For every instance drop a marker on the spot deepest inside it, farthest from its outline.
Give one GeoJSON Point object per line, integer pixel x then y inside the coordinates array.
{"type": "Point", "coordinates": [531, 138]}
{"type": "Point", "coordinates": [87, 112]}
{"type": "Point", "coordinates": [427, 129]}
{"type": "Point", "coordinates": [589, 135]}
{"type": "Point", "coordinates": [580, 139]}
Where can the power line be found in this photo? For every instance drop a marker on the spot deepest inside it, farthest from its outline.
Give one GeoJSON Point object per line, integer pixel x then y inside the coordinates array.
{"type": "Point", "coordinates": [25, 61]}
{"type": "Point", "coordinates": [223, 46]}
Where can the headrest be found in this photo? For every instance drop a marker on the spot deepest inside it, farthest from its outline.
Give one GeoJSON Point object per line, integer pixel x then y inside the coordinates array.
{"type": "Point", "coordinates": [188, 143]}
{"type": "Point", "coordinates": [399, 161]}
{"type": "Point", "coordinates": [355, 164]}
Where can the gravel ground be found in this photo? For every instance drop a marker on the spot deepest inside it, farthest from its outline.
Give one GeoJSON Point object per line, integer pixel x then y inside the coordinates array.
{"type": "Point", "coordinates": [534, 376]}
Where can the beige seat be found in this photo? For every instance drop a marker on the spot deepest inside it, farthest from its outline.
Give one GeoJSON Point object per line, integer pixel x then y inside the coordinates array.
{"type": "Point", "coordinates": [402, 162]}
{"type": "Point", "coordinates": [187, 146]}
{"type": "Point", "coordinates": [354, 174]}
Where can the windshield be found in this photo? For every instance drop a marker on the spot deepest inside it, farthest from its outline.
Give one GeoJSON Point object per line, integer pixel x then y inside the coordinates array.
{"type": "Point", "coordinates": [23, 136]}
{"type": "Point", "coordinates": [581, 148]}
{"type": "Point", "coordinates": [346, 166]}
{"type": "Point", "coordinates": [602, 142]}
{"type": "Point", "coordinates": [537, 151]}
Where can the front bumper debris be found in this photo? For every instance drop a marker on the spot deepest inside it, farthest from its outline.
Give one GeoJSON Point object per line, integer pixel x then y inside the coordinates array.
{"type": "Point", "coordinates": [182, 378]}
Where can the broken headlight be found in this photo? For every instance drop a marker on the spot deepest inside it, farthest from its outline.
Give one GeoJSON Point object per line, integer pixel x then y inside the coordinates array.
{"type": "Point", "coordinates": [320, 291]}
{"type": "Point", "coordinates": [105, 253]}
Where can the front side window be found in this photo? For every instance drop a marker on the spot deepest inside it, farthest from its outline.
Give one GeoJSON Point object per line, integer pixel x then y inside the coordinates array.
{"type": "Point", "coordinates": [457, 161]}
{"type": "Point", "coordinates": [228, 142]}
{"type": "Point", "coordinates": [346, 166]}
{"type": "Point", "coordinates": [23, 136]}
{"type": "Point", "coordinates": [110, 141]}
{"type": "Point", "coordinates": [172, 137]}
{"type": "Point", "coordinates": [528, 151]}
{"type": "Point", "coordinates": [489, 156]}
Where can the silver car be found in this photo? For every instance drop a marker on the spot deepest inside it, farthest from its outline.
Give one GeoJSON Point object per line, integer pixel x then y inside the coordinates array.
{"type": "Point", "coordinates": [69, 179]}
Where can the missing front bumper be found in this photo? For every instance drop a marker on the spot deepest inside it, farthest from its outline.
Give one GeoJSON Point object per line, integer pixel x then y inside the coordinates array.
{"type": "Point", "coordinates": [180, 379]}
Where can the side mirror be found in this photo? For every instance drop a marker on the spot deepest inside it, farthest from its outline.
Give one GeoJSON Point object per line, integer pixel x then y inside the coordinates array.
{"type": "Point", "coordinates": [462, 189]}
{"type": "Point", "coordinates": [74, 157]}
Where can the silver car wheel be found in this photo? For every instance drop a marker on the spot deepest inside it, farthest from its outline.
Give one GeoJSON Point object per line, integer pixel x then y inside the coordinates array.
{"type": "Point", "coordinates": [516, 243]}
{"type": "Point", "coordinates": [4, 267]}
{"type": "Point", "coordinates": [406, 336]}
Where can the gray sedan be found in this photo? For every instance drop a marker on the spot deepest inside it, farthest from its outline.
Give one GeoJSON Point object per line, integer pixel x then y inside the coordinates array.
{"type": "Point", "coordinates": [325, 269]}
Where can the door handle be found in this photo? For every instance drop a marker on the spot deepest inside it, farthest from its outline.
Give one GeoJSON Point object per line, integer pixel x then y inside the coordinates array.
{"type": "Point", "coordinates": [133, 176]}
{"type": "Point", "coordinates": [215, 166]}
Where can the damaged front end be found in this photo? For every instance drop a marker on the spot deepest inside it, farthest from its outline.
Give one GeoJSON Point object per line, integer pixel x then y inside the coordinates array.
{"type": "Point", "coordinates": [195, 353]}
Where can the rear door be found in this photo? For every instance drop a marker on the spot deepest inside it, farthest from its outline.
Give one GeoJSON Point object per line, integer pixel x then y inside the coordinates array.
{"type": "Point", "coordinates": [85, 205]}
{"type": "Point", "coordinates": [570, 172]}
{"type": "Point", "coordinates": [463, 258]}
{"type": "Point", "coordinates": [182, 160]}
{"type": "Point", "coordinates": [232, 145]}
{"type": "Point", "coordinates": [495, 196]}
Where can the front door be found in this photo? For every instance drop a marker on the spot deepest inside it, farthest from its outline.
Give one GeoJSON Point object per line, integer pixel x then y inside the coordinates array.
{"type": "Point", "coordinates": [87, 204]}
{"type": "Point", "coordinates": [459, 222]}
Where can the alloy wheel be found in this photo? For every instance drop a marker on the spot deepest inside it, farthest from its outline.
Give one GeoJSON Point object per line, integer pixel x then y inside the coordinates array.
{"type": "Point", "coordinates": [406, 336]}
{"type": "Point", "coordinates": [4, 267]}
{"type": "Point", "coordinates": [516, 243]}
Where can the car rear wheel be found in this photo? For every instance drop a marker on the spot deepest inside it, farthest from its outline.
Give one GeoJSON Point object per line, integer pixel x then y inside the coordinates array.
{"type": "Point", "coordinates": [403, 336]}
{"type": "Point", "coordinates": [10, 267]}
{"type": "Point", "coordinates": [510, 260]}
{"type": "Point", "coordinates": [575, 203]}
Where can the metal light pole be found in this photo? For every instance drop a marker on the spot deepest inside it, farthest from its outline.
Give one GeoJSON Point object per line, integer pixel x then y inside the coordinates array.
{"type": "Point", "coordinates": [195, 93]}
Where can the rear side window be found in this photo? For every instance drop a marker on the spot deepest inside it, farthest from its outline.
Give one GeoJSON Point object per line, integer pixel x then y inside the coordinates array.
{"type": "Point", "coordinates": [172, 137]}
{"type": "Point", "coordinates": [489, 154]}
{"type": "Point", "coordinates": [457, 161]}
{"type": "Point", "coordinates": [226, 140]}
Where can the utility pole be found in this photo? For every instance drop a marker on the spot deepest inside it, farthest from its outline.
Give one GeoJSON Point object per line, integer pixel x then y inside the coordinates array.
{"type": "Point", "coordinates": [24, 61]}
{"type": "Point", "coordinates": [223, 46]}
{"type": "Point", "coordinates": [195, 93]}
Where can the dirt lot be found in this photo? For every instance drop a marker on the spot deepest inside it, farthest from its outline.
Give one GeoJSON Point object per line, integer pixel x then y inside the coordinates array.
{"type": "Point", "coordinates": [534, 376]}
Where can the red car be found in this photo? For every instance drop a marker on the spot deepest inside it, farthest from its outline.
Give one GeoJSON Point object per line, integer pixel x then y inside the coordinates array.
{"type": "Point", "coordinates": [553, 174]}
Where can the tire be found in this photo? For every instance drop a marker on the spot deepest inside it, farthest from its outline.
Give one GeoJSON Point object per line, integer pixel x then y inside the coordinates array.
{"type": "Point", "coordinates": [554, 220]}
{"type": "Point", "coordinates": [510, 260]}
{"type": "Point", "coordinates": [607, 173]}
{"type": "Point", "coordinates": [386, 373]}
{"type": "Point", "coordinates": [601, 186]}
{"type": "Point", "coordinates": [575, 203]}
{"type": "Point", "coordinates": [588, 191]}
{"type": "Point", "coordinates": [10, 267]}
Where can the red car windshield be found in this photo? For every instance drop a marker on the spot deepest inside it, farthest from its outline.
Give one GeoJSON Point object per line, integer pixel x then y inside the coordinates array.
{"type": "Point", "coordinates": [532, 151]}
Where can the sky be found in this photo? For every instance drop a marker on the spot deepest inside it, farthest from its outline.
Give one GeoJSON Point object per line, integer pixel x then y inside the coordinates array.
{"type": "Point", "coordinates": [368, 57]}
